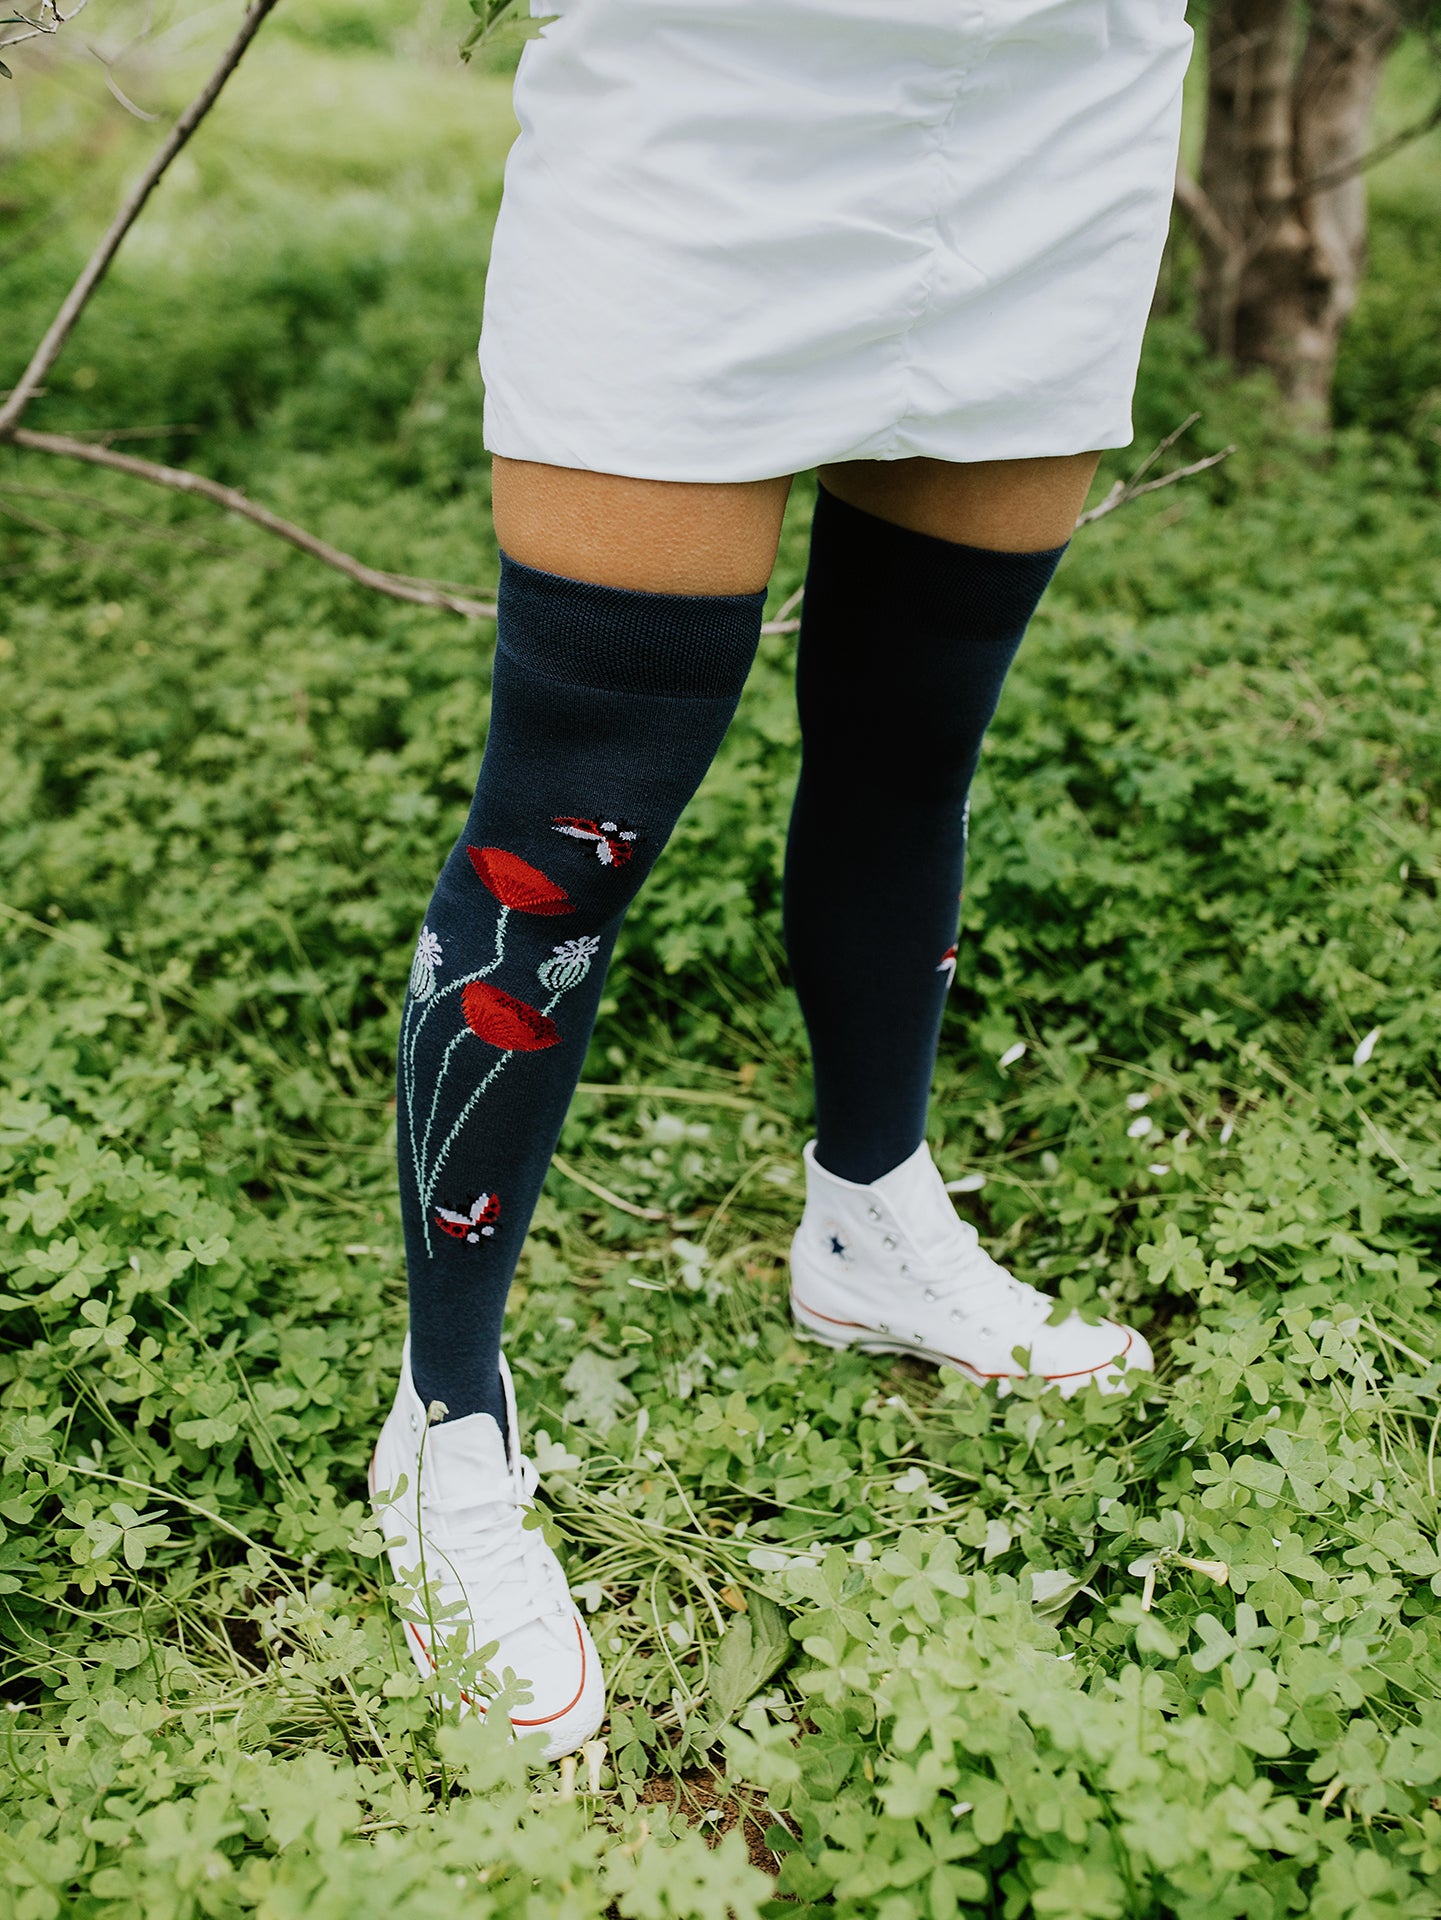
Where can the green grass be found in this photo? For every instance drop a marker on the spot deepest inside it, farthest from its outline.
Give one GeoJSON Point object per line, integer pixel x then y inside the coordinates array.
{"type": "Point", "coordinates": [1180, 1655]}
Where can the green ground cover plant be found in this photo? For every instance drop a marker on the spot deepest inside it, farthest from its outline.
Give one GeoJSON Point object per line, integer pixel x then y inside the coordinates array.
{"type": "Point", "coordinates": [880, 1645]}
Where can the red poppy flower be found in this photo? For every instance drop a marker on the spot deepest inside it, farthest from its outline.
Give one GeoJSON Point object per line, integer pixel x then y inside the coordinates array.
{"type": "Point", "coordinates": [506, 1022]}
{"type": "Point", "coordinates": [516, 883]}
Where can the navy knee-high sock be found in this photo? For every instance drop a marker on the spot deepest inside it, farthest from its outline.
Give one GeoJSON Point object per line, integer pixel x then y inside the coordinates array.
{"type": "Point", "coordinates": [905, 642]}
{"type": "Point", "coordinates": [606, 709]}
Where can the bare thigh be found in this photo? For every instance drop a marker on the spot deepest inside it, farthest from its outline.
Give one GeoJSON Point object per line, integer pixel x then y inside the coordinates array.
{"type": "Point", "coordinates": [665, 536]}
{"type": "Point", "coordinates": [652, 536]}
{"type": "Point", "coordinates": [1011, 506]}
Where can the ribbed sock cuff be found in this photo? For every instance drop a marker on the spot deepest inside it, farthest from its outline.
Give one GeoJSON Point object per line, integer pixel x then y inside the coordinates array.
{"type": "Point", "coordinates": [697, 645]}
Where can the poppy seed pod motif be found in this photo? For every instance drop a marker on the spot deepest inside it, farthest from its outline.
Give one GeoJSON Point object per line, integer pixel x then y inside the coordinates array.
{"type": "Point", "coordinates": [488, 1015]}
{"type": "Point", "coordinates": [568, 964]}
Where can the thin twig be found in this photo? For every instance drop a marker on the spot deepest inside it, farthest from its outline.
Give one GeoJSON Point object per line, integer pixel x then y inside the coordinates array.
{"type": "Point", "coordinates": [181, 480]}
{"type": "Point", "coordinates": [783, 622]}
{"type": "Point", "coordinates": [1124, 491]}
{"type": "Point", "coordinates": [51, 21]}
{"type": "Point", "coordinates": [604, 1193]}
{"type": "Point", "coordinates": [1337, 176]}
{"type": "Point", "coordinates": [93, 272]}
{"type": "Point", "coordinates": [120, 95]}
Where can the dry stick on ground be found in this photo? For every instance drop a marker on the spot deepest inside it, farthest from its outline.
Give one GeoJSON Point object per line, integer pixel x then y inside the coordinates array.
{"type": "Point", "coordinates": [422, 593]}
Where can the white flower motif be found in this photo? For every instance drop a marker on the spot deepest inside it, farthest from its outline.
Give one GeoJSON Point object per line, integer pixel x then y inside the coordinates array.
{"type": "Point", "coordinates": [427, 959]}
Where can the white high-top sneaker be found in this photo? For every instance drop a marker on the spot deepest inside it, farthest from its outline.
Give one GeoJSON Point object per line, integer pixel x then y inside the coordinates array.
{"type": "Point", "coordinates": [890, 1268]}
{"type": "Point", "coordinates": [455, 1521]}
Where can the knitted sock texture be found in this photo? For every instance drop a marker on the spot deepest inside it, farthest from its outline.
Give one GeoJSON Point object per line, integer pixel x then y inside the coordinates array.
{"type": "Point", "coordinates": [606, 709]}
{"type": "Point", "coordinates": [905, 643]}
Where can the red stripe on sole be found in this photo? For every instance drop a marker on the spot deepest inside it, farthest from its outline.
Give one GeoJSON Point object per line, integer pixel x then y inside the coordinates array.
{"type": "Point", "coordinates": [859, 1326]}
{"type": "Point", "coordinates": [542, 1720]}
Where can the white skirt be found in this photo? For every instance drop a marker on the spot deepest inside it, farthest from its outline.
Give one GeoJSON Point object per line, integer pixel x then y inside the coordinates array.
{"type": "Point", "coordinates": [740, 238]}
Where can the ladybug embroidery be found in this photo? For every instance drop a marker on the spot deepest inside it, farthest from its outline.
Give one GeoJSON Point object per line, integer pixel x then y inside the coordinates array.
{"type": "Point", "coordinates": [480, 1221]}
{"type": "Point", "coordinates": [613, 840]}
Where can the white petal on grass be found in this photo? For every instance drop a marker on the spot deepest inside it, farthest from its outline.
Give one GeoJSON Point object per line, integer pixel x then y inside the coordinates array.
{"type": "Point", "coordinates": [767, 1560]}
{"type": "Point", "coordinates": [1227, 1131]}
{"type": "Point", "coordinates": [1158, 1167]}
{"type": "Point", "coordinates": [1366, 1049]}
{"type": "Point", "coordinates": [1012, 1054]}
{"type": "Point", "coordinates": [968, 1183]}
{"type": "Point", "coordinates": [1138, 1129]}
{"type": "Point", "coordinates": [1135, 1101]}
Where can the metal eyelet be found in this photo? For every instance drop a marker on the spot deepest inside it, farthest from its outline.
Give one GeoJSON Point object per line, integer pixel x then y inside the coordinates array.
{"type": "Point", "coordinates": [930, 1293]}
{"type": "Point", "coordinates": [873, 1213]}
{"type": "Point", "coordinates": [889, 1243]}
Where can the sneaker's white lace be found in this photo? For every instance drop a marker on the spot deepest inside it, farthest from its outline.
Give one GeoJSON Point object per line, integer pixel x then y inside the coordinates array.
{"type": "Point", "coordinates": [509, 1574]}
{"type": "Point", "coordinates": [953, 1266]}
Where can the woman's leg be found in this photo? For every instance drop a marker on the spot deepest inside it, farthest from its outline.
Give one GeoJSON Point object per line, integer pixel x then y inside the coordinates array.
{"type": "Point", "coordinates": [921, 581]}
{"type": "Point", "coordinates": [922, 578]}
{"type": "Point", "coordinates": [628, 617]}
{"type": "Point", "coordinates": [650, 536]}
{"type": "Point", "coordinates": [629, 613]}
{"type": "Point", "coordinates": [1011, 506]}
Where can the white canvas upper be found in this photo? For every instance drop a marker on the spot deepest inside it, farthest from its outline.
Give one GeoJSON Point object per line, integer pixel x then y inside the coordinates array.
{"type": "Point", "coordinates": [454, 1522]}
{"type": "Point", "coordinates": [890, 1268]}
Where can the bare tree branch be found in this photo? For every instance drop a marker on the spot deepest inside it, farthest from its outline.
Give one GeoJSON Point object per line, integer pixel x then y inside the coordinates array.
{"type": "Point", "coordinates": [180, 480]}
{"type": "Point", "coordinates": [50, 20]}
{"type": "Point", "coordinates": [1373, 156]}
{"type": "Point", "coordinates": [74, 303]}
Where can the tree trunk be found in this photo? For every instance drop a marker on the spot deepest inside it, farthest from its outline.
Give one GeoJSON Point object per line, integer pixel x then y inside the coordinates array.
{"type": "Point", "coordinates": [1280, 209]}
